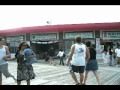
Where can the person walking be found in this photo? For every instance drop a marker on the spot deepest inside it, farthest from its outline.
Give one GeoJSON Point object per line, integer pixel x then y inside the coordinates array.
{"type": "Point", "coordinates": [111, 56]}
{"type": "Point", "coordinates": [78, 55]}
{"type": "Point", "coordinates": [61, 55]}
{"type": "Point", "coordinates": [4, 57]}
{"type": "Point", "coordinates": [24, 69]}
{"type": "Point", "coordinates": [92, 64]}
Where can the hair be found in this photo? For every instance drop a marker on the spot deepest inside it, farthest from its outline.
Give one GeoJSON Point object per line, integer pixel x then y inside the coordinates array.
{"type": "Point", "coordinates": [88, 44]}
{"type": "Point", "coordinates": [19, 48]}
{"type": "Point", "coordinates": [78, 39]}
{"type": "Point", "coordinates": [61, 49]}
{"type": "Point", "coordinates": [93, 45]}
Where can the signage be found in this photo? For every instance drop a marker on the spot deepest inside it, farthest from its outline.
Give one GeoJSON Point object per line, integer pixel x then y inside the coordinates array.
{"type": "Point", "coordinates": [52, 36]}
{"type": "Point", "coordinates": [15, 38]}
{"type": "Point", "coordinates": [71, 35]}
{"type": "Point", "coordinates": [111, 35]}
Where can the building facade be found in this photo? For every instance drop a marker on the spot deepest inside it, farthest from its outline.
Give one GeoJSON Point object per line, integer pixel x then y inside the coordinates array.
{"type": "Point", "coordinates": [41, 38]}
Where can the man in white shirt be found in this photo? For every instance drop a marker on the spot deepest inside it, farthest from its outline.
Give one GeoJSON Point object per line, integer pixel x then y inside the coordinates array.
{"type": "Point", "coordinates": [4, 56]}
{"type": "Point", "coordinates": [61, 56]}
{"type": "Point", "coordinates": [77, 59]}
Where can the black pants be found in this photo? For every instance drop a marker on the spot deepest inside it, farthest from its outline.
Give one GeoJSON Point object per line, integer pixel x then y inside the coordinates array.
{"type": "Point", "coordinates": [61, 61]}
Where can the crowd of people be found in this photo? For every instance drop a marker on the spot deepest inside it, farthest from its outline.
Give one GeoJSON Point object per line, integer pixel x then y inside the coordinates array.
{"type": "Point", "coordinates": [81, 59]}
{"type": "Point", "coordinates": [111, 56]}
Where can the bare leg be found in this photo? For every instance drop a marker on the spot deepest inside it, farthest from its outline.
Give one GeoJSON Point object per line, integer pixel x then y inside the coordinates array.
{"type": "Point", "coordinates": [74, 77]}
{"type": "Point", "coordinates": [13, 78]}
{"type": "Point", "coordinates": [81, 78]}
{"type": "Point", "coordinates": [97, 78]}
{"type": "Point", "coordinates": [28, 82]}
{"type": "Point", "coordinates": [86, 76]}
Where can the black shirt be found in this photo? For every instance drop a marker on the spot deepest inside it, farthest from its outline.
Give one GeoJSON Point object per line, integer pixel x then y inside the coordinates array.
{"type": "Point", "coordinates": [92, 53]}
{"type": "Point", "coordinates": [110, 52]}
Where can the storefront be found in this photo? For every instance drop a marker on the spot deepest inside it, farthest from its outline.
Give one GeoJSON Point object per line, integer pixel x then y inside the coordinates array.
{"type": "Point", "coordinates": [14, 41]}
{"type": "Point", "coordinates": [69, 38]}
{"type": "Point", "coordinates": [62, 36]}
{"type": "Point", "coordinates": [41, 43]}
{"type": "Point", "coordinates": [110, 38]}
{"type": "Point", "coordinates": [106, 40]}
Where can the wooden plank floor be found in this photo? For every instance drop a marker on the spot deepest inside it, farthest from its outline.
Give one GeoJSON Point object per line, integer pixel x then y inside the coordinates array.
{"type": "Point", "coordinates": [59, 75]}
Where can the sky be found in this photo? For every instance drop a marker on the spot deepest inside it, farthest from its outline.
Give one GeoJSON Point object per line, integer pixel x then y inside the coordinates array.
{"type": "Point", "coordinates": [15, 16]}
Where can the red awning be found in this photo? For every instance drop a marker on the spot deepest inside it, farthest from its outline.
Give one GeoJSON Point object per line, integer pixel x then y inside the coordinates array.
{"type": "Point", "coordinates": [61, 28]}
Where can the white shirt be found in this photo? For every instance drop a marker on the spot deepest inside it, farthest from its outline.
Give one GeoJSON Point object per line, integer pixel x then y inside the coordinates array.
{"type": "Point", "coordinates": [79, 55]}
{"type": "Point", "coordinates": [117, 51]}
{"type": "Point", "coordinates": [2, 54]}
{"type": "Point", "coordinates": [60, 54]}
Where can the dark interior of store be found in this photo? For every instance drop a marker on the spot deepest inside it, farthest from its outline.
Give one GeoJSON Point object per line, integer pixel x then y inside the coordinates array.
{"type": "Point", "coordinates": [41, 49]}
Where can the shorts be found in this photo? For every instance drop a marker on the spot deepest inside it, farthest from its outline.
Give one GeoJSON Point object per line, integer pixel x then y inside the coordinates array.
{"type": "Point", "coordinates": [77, 69]}
{"type": "Point", "coordinates": [4, 70]}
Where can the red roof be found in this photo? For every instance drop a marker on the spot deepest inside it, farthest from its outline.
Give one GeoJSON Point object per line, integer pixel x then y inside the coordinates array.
{"type": "Point", "coordinates": [61, 28]}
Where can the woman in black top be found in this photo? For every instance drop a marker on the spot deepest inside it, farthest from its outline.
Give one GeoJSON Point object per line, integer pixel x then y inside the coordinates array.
{"type": "Point", "coordinates": [92, 64]}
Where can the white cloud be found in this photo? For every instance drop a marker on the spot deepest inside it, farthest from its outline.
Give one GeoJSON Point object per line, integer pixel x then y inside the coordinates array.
{"type": "Point", "coordinates": [20, 16]}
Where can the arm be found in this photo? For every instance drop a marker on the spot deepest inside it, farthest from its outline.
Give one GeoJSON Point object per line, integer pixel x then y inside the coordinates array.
{"type": "Point", "coordinates": [8, 55]}
{"type": "Point", "coordinates": [58, 54]}
{"type": "Point", "coordinates": [70, 54]}
{"type": "Point", "coordinates": [87, 54]}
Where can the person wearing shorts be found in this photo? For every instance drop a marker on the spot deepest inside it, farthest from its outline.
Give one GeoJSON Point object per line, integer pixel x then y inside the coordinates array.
{"type": "Point", "coordinates": [78, 55]}
{"type": "Point", "coordinates": [4, 56]}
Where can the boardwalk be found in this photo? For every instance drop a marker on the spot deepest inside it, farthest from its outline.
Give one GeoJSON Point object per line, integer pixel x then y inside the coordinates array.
{"type": "Point", "coordinates": [59, 75]}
